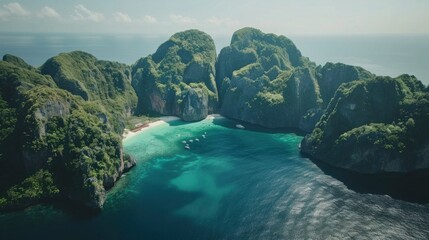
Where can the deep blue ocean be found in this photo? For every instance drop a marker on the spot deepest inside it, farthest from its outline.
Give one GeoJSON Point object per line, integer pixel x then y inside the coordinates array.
{"type": "Point", "coordinates": [390, 55]}
{"type": "Point", "coordinates": [231, 184]}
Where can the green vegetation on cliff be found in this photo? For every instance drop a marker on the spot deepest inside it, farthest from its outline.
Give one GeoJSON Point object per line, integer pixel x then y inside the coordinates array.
{"type": "Point", "coordinates": [179, 78]}
{"type": "Point", "coordinates": [264, 79]}
{"type": "Point", "coordinates": [56, 144]}
{"type": "Point", "coordinates": [60, 124]}
{"type": "Point", "coordinates": [374, 125]}
{"type": "Point", "coordinates": [19, 62]}
{"type": "Point", "coordinates": [105, 84]}
{"type": "Point", "coordinates": [331, 76]}
{"type": "Point", "coordinates": [38, 186]}
{"type": "Point", "coordinates": [7, 120]}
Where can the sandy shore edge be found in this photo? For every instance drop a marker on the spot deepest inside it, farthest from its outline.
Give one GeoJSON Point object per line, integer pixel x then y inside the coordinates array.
{"type": "Point", "coordinates": [164, 119]}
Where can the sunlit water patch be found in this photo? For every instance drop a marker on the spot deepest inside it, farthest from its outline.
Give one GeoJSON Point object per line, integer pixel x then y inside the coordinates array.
{"type": "Point", "coordinates": [230, 184]}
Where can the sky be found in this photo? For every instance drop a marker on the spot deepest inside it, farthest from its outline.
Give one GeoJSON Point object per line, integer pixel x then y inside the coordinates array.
{"type": "Point", "coordinates": [218, 17]}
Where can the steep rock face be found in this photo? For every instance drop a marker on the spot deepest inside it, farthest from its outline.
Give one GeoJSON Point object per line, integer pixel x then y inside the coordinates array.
{"type": "Point", "coordinates": [194, 105]}
{"type": "Point", "coordinates": [107, 83]}
{"type": "Point", "coordinates": [38, 109]}
{"type": "Point", "coordinates": [53, 143]}
{"type": "Point", "coordinates": [179, 78]}
{"type": "Point", "coordinates": [374, 126]}
{"type": "Point", "coordinates": [308, 121]}
{"type": "Point", "coordinates": [14, 81]}
{"type": "Point", "coordinates": [263, 79]}
{"type": "Point", "coordinates": [331, 76]}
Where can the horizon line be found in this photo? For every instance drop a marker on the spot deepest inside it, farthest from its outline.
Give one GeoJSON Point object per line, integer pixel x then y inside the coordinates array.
{"type": "Point", "coordinates": [215, 34]}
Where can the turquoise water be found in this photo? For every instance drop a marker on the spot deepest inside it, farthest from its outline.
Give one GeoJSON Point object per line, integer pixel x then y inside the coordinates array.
{"type": "Point", "coordinates": [232, 184]}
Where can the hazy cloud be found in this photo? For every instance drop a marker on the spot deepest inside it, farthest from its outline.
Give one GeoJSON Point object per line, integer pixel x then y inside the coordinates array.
{"type": "Point", "coordinates": [4, 15]}
{"type": "Point", "coordinates": [16, 9]}
{"type": "Point", "coordinates": [182, 19]}
{"type": "Point", "coordinates": [227, 22]}
{"type": "Point", "coordinates": [357, 17]}
{"type": "Point", "coordinates": [122, 17]}
{"type": "Point", "coordinates": [48, 12]}
{"type": "Point", "coordinates": [83, 13]}
{"type": "Point", "coordinates": [149, 19]}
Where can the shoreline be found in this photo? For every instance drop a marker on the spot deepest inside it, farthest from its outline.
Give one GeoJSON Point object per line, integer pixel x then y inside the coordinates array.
{"type": "Point", "coordinates": [128, 133]}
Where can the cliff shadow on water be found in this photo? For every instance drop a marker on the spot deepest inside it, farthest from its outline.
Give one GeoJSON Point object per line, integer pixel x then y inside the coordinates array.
{"type": "Point", "coordinates": [410, 187]}
{"type": "Point", "coordinates": [232, 123]}
{"type": "Point", "coordinates": [73, 209]}
{"type": "Point", "coordinates": [64, 206]}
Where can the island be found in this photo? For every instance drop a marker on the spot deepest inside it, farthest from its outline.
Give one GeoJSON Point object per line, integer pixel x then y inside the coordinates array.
{"type": "Point", "coordinates": [61, 123]}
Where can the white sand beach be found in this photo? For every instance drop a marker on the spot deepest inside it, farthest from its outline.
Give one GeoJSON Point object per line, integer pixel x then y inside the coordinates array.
{"type": "Point", "coordinates": [130, 133]}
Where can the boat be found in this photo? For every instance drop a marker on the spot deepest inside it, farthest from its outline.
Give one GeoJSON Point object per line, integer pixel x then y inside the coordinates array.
{"type": "Point", "coordinates": [191, 140]}
{"type": "Point", "coordinates": [204, 136]}
{"type": "Point", "coordinates": [197, 140]}
{"type": "Point", "coordinates": [184, 142]}
{"type": "Point", "coordinates": [239, 126]}
{"type": "Point", "coordinates": [187, 146]}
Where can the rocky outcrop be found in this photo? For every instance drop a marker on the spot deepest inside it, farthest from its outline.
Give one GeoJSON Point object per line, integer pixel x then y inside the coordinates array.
{"type": "Point", "coordinates": [374, 126]}
{"type": "Point", "coordinates": [308, 121]}
{"type": "Point", "coordinates": [17, 61]}
{"type": "Point", "coordinates": [194, 105]}
{"type": "Point", "coordinates": [128, 163]}
{"type": "Point", "coordinates": [61, 124]}
{"type": "Point", "coordinates": [58, 144]}
{"type": "Point", "coordinates": [179, 78]}
{"type": "Point", "coordinates": [40, 105]}
{"type": "Point", "coordinates": [331, 76]}
{"type": "Point", "coordinates": [106, 82]}
{"type": "Point", "coordinates": [264, 79]}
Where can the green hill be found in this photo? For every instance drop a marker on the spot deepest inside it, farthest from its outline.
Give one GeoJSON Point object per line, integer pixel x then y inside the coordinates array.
{"type": "Point", "coordinates": [371, 126]}
{"type": "Point", "coordinates": [58, 145]}
{"type": "Point", "coordinates": [179, 78]}
{"type": "Point", "coordinates": [264, 79]}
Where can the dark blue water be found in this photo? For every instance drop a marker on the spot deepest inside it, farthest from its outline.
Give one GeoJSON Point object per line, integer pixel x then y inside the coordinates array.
{"type": "Point", "coordinates": [232, 184]}
{"type": "Point", "coordinates": [382, 54]}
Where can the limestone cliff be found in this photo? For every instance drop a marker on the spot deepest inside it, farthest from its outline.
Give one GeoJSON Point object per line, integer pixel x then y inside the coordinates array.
{"type": "Point", "coordinates": [377, 125]}
{"type": "Point", "coordinates": [103, 82]}
{"type": "Point", "coordinates": [331, 76]}
{"type": "Point", "coordinates": [60, 123]}
{"type": "Point", "coordinates": [264, 79]}
{"type": "Point", "coordinates": [179, 78]}
{"type": "Point", "coordinates": [53, 143]}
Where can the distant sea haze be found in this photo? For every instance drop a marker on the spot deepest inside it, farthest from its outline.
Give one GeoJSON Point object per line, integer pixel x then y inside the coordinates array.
{"type": "Point", "coordinates": [389, 55]}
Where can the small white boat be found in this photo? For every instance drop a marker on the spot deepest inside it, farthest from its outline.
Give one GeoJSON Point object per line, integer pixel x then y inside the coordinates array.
{"type": "Point", "coordinates": [187, 146]}
{"type": "Point", "coordinates": [239, 126]}
{"type": "Point", "coordinates": [197, 140]}
{"type": "Point", "coordinates": [191, 140]}
{"type": "Point", "coordinates": [204, 136]}
{"type": "Point", "coordinates": [184, 142]}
